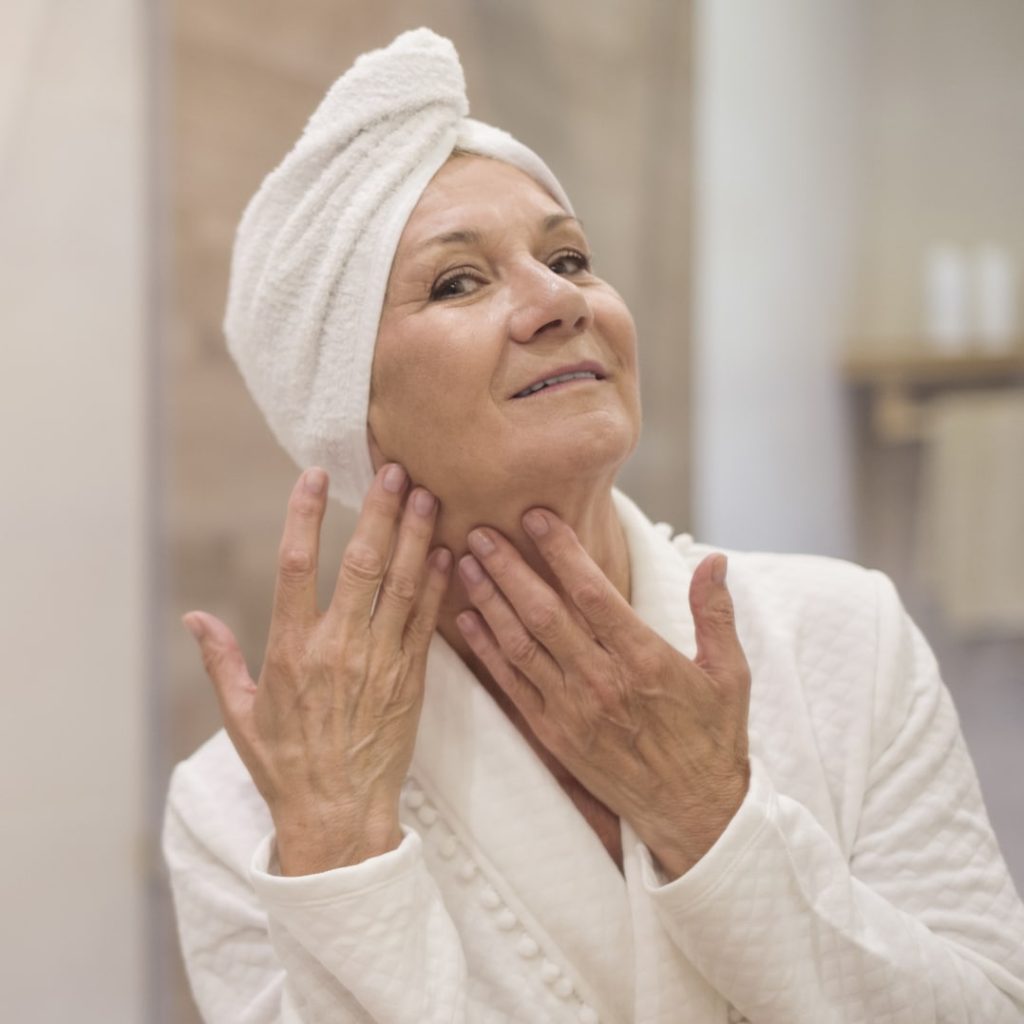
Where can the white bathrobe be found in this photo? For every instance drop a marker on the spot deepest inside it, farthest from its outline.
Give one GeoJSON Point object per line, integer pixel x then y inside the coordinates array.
{"type": "Point", "coordinates": [858, 882]}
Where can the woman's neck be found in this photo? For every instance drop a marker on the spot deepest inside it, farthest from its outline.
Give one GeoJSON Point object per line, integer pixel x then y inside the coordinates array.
{"type": "Point", "coordinates": [593, 518]}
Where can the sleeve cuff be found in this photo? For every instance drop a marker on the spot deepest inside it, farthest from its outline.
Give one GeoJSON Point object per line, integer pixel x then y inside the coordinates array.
{"type": "Point", "coordinates": [756, 811]}
{"type": "Point", "coordinates": [338, 883]}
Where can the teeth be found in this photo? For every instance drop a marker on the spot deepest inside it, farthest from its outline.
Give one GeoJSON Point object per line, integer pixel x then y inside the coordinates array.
{"type": "Point", "coordinates": [578, 375]}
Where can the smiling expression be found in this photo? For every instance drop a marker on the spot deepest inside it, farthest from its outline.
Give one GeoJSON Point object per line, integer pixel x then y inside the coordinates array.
{"type": "Point", "coordinates": [502, 361]}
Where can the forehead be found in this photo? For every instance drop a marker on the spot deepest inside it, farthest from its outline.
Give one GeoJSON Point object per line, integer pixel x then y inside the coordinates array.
{"type": "Point", "coordinates": [475, 192]}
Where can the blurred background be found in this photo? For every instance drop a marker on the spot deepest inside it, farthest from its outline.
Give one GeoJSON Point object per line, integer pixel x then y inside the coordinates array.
{"type": "Point", "coordinates": [813, 207]}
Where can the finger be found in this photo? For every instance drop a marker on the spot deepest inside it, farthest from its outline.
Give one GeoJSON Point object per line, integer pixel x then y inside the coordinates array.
{"type": "Point", "coordinates": [225, 665]}
{"type": "Point", "coordinates": [539, 608]}
{"type": "Point", "coordinates": [523, 694]}
{"type": "Point", "coordinates": [603, 608]}
{"type": "Point", "coordinates": [401, 583]}
{"type": "Point", "coordinates": [366, 554]}
{"type": "Point", "coordinates": [295, 588]}
{"type": "Point", "coordinates": [523, 651]}
{"type": "Point", "coordinates": [714, 618]}
{"type": "Point", "coordinates": [423, 622]}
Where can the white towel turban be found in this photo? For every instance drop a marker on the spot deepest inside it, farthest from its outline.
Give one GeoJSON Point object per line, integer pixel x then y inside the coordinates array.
{"type": "Point", "coordinates": [315, 245]}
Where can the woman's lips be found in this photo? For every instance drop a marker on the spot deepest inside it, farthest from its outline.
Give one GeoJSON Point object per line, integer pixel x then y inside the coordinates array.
{"type": "Point", "coordinates": [560, 386]}
{"type": "Point", "coordinates": [580, 373]}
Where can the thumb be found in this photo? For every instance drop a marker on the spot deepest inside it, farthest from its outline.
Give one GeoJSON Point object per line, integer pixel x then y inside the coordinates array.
{"type": "Point", "coordinates": [718, 645]}
{"type": "Point", "coordinates": [225, 665]}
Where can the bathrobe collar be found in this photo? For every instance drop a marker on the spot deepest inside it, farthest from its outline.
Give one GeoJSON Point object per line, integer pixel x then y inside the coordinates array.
{"type": "Point", "coordinates": [524, 831]}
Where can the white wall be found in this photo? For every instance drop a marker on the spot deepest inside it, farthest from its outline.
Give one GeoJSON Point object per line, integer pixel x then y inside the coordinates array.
{"type": "Point", "coordinates": [776, 147]}
{"type": "Point", "coordinates": [72, 602]}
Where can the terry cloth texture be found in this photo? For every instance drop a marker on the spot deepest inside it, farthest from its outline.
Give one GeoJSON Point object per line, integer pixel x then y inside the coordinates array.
{"type": "Point", "coordinates": [858, 882]}
{"type": "Point", "coordinates": [315, 245]}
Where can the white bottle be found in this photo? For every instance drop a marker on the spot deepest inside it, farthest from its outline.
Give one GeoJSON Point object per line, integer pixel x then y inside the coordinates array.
{"type": "Point", "coordinates": [946, 298]}
{"type": "Point", "coordinates": [995, 298]}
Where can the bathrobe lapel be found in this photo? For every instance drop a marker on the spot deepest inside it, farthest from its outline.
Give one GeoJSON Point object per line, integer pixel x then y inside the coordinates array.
{"type": "Point", "coordinates": [537, 850]}
{"type": "Point", "coordinates": [525, 833]}
{"type": "Point", "coordinates": [668, 988]}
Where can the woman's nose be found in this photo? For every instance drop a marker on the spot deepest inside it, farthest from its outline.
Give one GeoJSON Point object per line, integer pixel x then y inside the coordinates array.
{"type": "Point", "coordinates": [547, 305]}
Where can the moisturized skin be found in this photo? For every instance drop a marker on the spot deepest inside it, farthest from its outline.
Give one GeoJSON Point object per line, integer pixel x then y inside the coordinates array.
{"type": "Point", "coordinates": [490, 292]}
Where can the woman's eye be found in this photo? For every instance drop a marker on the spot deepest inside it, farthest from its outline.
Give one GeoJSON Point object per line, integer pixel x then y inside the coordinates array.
{"type": "Point", "coordinates": [455, 284]}
{"type": "Point", "coordinates": [570, 262]}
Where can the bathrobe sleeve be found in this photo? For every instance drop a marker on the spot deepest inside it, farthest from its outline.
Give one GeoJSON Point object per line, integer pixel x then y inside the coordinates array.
{"type": "Point", "coordinates": [367, 944]}
{"type": "Point", "coordinates": [918, 923]}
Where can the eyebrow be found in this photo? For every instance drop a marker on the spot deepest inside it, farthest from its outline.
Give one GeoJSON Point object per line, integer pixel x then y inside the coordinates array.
{"type": "Point", "coordinates": [469, 236]}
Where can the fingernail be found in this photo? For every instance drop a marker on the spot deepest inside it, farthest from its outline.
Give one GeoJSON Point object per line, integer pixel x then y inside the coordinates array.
{"type": "Point", "coordinates": [466, 622]}
{"type": "Point", "coordinates": [719, 568]}
{"type": "Point", "coordinates": [314, 481]}
{"type": "Point", "coordinates": [194, 625]}
{"type": "Point", "coordinates": [536, 523]}
{"type": "Point", "coordinates": [480, 542]}
{"type": "Point", "coordinates": [471, 569]}
{"type": "Point", "coordinates": [394, 478]}
{"type": "Point", "coordinates": [442, 559]}
{"type": "Point", "coordinates": [423, 502]}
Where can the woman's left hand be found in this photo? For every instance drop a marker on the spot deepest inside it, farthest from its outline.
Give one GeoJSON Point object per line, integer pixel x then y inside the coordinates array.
{"type": "Point", "coordinates": [657, 737]}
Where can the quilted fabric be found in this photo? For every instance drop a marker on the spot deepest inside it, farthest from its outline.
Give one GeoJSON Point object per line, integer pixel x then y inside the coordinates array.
{"type": "Point", "coordinates": [858, 882]}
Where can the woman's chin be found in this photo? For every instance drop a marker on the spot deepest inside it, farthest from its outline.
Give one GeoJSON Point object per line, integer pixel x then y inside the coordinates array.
{"type": "Point", "coordinates": [530, 464]}
{"type": "Point", "coordinates": [591, 451]}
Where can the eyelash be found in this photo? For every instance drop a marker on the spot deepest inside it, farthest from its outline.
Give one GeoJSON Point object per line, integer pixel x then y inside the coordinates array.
{"type": "Point", "coordinates": [455, 275]}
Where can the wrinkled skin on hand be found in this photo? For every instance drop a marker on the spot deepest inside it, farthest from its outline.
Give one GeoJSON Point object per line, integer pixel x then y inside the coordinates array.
{"type": "Point", "coordinates": [660, 739]}
{"type": "Point", "coordinates": [327, 731]}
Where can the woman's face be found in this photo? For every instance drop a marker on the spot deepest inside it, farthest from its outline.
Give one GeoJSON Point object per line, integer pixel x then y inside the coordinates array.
{"type": "Point", "coordinates": [490, 294]}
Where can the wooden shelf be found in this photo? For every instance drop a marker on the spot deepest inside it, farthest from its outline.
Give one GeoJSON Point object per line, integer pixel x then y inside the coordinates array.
{"type": "Point", "coordinates": [921, 367]}
{"type": "Point", "coordinates": [899, 382]}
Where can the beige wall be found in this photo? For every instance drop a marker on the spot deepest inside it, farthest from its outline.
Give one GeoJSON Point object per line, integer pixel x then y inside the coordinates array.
{"type": "Point", "coordinates": [943, 147]}
{"type": "Point", "coordinates": [72, 435]}
{"type": "Point", "coordinates": [940, 151]}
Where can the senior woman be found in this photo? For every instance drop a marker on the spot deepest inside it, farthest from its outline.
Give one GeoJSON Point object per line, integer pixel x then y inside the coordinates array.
{"type": "Point", "coordinates": [507, 774]}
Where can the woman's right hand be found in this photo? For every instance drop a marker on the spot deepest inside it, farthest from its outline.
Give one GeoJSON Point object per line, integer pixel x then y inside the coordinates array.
{"type": "Point", "coordinates": [327, 732]}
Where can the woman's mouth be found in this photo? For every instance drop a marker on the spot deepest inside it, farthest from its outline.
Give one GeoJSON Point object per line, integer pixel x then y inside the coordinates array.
{"type": "Point", "coordinates": [557, 381]}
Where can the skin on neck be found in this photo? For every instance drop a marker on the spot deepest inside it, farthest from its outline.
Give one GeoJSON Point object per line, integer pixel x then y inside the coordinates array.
{"type": "Point", "coordinates": [585, 504]}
